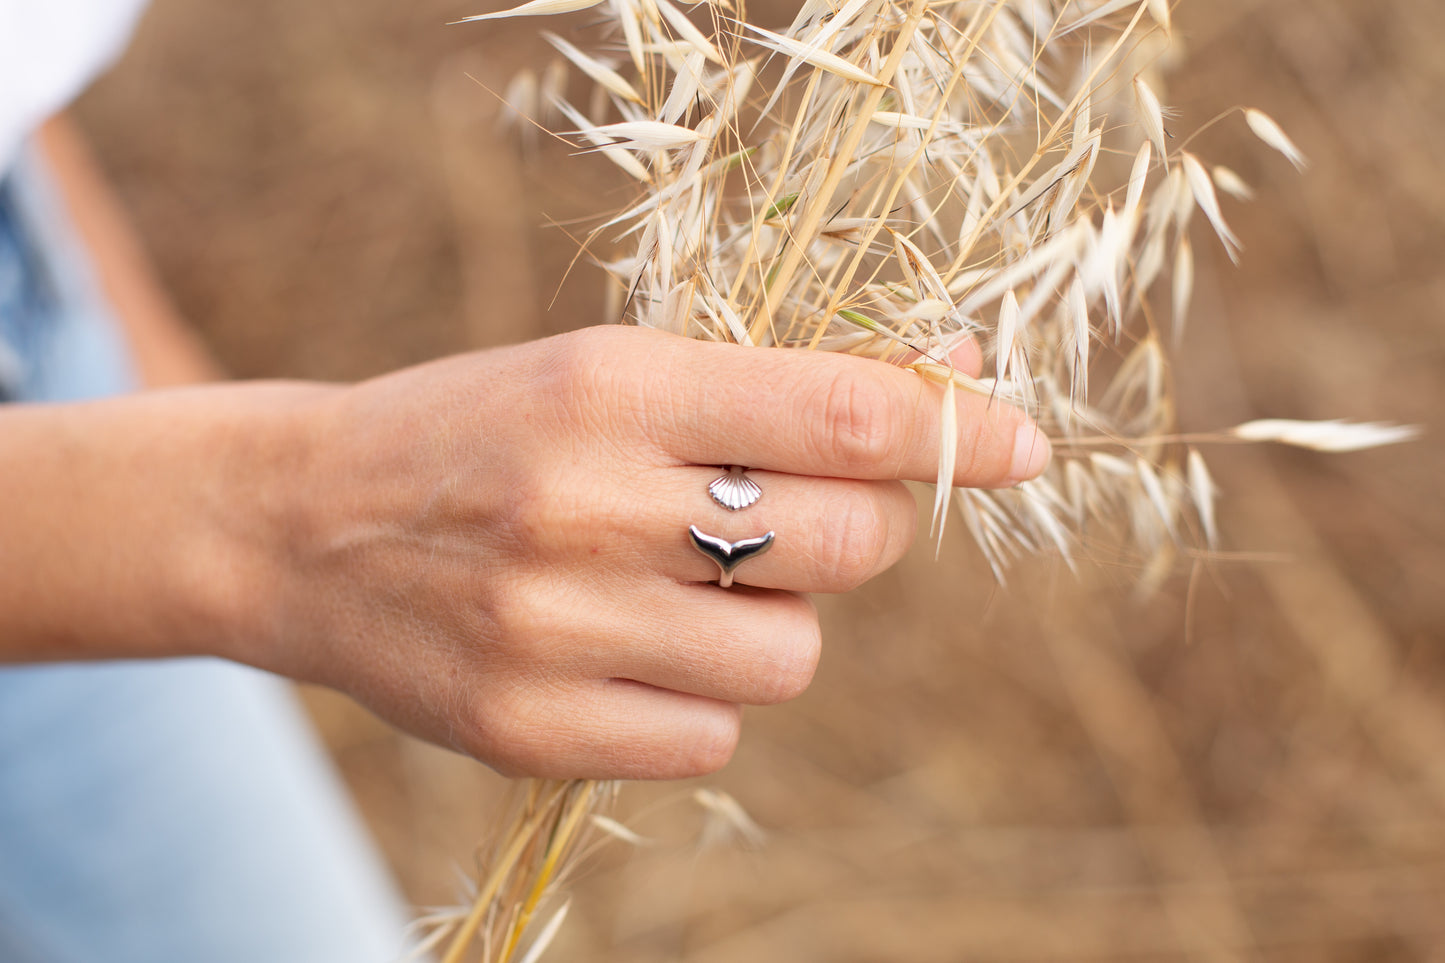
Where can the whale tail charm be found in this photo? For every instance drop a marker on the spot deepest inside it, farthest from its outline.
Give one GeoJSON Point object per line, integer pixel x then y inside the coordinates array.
{"type": "Point", "coordinates": [728, 555]}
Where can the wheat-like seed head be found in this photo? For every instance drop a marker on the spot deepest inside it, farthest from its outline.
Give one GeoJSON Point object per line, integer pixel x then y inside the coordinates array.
{"type": "Point", "coordinates": [891, 178]}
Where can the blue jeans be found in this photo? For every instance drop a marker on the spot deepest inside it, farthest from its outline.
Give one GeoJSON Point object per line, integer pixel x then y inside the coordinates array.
{"type": "Point", "coordinates": [167, 811]}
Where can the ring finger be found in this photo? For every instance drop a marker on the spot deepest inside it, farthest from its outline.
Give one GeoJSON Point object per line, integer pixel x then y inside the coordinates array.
{"type": "Point", "coordinates": [827, 534]}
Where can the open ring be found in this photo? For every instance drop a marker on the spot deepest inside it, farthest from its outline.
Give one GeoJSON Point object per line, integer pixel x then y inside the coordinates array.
{"type": "Point", "coordinates": [728, 555]}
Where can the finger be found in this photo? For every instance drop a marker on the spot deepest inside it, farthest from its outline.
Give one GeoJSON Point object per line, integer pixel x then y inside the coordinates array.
{"type": "Point", "coordinates": [829, 534]}
{"type": "Point", "coordinates": [814, 413]}
{"type": "Point", "coordinates": [748, 646]}
{"type": "Point", "coordinates": [964, 355]}
{"type": "Point", "coordinates": [752, 646]}
{"type": "Point", "coordinates": [967, 357]}
{"type": "Point", "coordinates": [606, 729]}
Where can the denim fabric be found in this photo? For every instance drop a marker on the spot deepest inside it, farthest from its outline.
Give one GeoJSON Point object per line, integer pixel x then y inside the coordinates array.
{"type": "Point", "coordinates": [24, 295]}
{"type": "Point", "coordinates": [156, 812]}
{"type": "Point", "coordinates": [61, 338]}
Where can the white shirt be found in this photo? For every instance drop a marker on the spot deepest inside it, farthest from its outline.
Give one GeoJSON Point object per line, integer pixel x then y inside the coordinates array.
{"type": "Point", "coordinates": [49, 51]}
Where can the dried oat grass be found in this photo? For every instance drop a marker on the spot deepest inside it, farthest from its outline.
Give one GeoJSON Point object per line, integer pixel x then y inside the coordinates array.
{"type": "Point", "coordinates": [510, 911]}
{"type": "Point", "coordinates": [513, 910]}
{"type": "Point", "coordinates": [891, 178]}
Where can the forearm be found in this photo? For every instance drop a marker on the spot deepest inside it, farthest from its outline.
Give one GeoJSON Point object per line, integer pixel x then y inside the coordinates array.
{"type": "Point", "coordinates": [134, 527]}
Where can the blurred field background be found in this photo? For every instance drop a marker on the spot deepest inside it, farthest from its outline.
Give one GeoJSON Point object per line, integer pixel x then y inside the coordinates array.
{"type": "Point", "coordinates": [1252, 768]}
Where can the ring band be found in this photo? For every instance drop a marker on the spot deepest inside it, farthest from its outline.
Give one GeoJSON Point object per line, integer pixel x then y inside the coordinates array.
{"type": "Point", "coordinates": [735, 490]}
{"type": "Point", "coordinates": [728, 555]}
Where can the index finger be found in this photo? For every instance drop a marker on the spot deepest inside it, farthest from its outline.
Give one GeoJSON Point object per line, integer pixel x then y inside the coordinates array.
{"type": "Point", "coordinates": [817, 413]}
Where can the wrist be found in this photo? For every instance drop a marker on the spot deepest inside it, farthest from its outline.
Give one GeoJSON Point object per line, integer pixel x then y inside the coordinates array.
{"type": "Point", "coordinates": [233, 575]}
{"type": "Point", "coordinates": [146, 526]}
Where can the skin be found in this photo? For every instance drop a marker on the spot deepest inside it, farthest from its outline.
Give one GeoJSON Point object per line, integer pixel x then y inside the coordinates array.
{"type": "Point", "coordinates": [489, 550]}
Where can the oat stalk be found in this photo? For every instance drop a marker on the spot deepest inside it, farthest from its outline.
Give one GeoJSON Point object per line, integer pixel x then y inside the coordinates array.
{"type": "Point", "coordinates": [524, 869]}
{"type": "Point", "coordinates": [888, 177]}
{"type": "Point", "coordinates": [891, 178]}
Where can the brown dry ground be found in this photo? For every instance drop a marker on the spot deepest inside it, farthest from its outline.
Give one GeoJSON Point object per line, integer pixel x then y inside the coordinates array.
{"type": "Point", "coordinates": [1048, 773]}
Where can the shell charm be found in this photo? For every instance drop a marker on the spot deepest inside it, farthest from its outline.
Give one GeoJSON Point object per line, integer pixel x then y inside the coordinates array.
{"type": "Point", "coordinates": [735, 491]}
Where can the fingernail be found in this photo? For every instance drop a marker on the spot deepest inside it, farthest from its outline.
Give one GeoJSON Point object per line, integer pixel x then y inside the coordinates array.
{"type": "Point", "coordinates": [1031, 454]}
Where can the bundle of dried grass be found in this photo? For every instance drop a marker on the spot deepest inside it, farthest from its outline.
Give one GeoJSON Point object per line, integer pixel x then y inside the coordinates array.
{"type": "Point", "coordinates": [529, 861]}
{"type": "Point", "coordinates": [890, 178]}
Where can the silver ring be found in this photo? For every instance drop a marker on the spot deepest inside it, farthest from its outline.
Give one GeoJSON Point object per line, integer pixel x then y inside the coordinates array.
{"type": "Point", "coordinates": [728, 555]}
{"type": "Point", "coordinates": [735, 490]}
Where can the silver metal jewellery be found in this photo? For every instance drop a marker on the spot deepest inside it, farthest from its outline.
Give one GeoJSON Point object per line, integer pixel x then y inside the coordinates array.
{"type": "Point", "coordinates": [735, 490]}
{"type": "Point", "coordinates": [728, 555]}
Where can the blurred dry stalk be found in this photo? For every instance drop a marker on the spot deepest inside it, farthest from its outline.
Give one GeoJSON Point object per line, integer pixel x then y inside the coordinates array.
{"type": "Point", "coordinates": [547, 827]}
{"type": "Point", "coordinates": [892, 179]}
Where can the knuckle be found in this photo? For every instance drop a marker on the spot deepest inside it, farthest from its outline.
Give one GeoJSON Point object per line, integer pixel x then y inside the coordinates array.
{"type": "Point", "coordinates": [853, 540]}
{"type": "Point", "coordinates": [500, 729]}
{"type": "Point", "coordinates": [526, 634]}
{"type": "Point", "coordinates": [857, 433]}
{"type": "Point", "coordinates": [570, 361]}
{"type": "Point", "coordinates": [523, 630]}
{"type": "Point", "coordinates": [581, 370]}
{"type": "Point", "coordinates": [545, 633]}
{"type": "Point", "coordinates": [535, 515]}
{"type": "Point", "coordinates": [555, 519]}
{"type": "Point", "coordinates": [595, 387]}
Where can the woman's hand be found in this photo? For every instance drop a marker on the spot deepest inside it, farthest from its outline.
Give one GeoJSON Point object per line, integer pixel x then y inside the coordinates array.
{"type": "Point", "coordinates": [492, 550]}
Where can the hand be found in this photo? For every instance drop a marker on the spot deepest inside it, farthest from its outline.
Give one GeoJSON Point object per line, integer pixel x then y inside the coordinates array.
{"type": "Point", "coordinates": [492, 550]}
